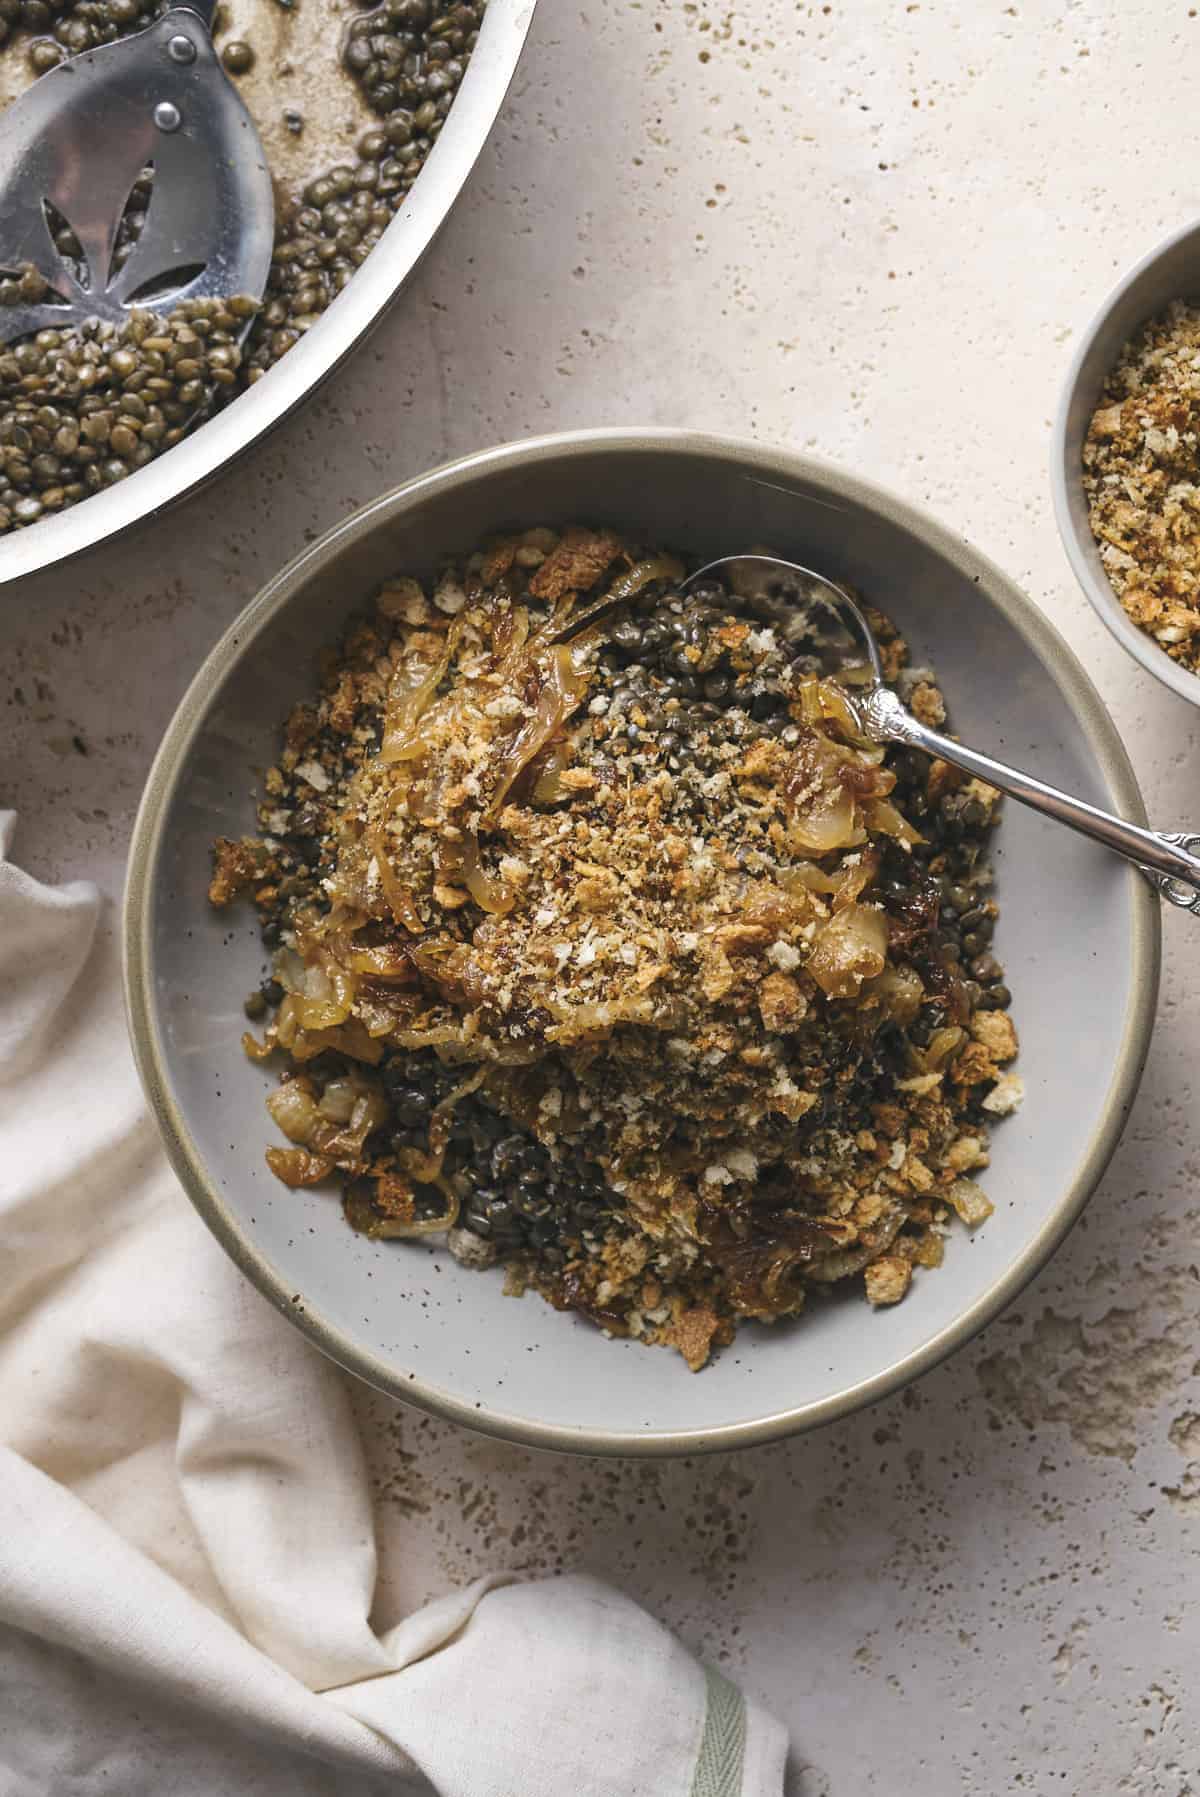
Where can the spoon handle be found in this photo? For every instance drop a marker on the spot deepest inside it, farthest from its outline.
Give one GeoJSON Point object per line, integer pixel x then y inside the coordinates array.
{"type": "Point", "coordinates": [1169, 861]}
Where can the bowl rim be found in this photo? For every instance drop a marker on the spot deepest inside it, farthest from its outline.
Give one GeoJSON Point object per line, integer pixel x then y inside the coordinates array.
{"type": "Point", "coordinates": [1066, 479]}
{"type": "Point", "coordinates": [212, 449]}
{"type": "Point", "coordinates": [139, 961]}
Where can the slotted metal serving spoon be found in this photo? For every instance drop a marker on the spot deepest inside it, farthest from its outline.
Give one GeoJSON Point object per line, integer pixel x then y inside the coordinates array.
{"type": "Point", "coordinates": [822, 617]}
{"type": "Point", "coordinates": [74, 147]}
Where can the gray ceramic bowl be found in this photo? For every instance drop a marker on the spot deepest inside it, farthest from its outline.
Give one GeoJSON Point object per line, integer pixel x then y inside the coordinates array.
{"type": "Point", "coordinates": [1172, 271]}
{"type": "Point", "coordinates": [1079, 936]}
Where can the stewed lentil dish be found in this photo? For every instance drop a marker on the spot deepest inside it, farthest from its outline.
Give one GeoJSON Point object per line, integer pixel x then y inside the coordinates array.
{"type": "Point", "coordinates": [82, 408]}
{"type": "Point", "coordinates": [607, 947]}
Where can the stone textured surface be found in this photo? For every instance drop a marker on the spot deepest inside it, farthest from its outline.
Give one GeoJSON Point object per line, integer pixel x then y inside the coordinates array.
{"type": "Point", "coordinates": [870, 232]}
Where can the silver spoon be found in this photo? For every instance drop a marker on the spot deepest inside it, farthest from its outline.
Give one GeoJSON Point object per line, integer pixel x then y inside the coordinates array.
{"type": "Point", "coordinates": [1167, 859]}
{"type": "Point", "coordinates": [74, 146]}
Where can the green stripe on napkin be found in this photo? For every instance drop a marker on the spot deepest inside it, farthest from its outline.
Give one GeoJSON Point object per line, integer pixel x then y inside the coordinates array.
{"type": "Point", "coordinates": [723, 1748]}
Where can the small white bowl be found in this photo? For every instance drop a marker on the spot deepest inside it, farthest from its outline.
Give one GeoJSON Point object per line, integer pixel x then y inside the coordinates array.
{"type": "Point", "coordinates": [1171, 271]}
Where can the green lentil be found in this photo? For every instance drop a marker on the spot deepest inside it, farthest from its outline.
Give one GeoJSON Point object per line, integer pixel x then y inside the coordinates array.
{"type": "Point", "coordinates": [238, 57]}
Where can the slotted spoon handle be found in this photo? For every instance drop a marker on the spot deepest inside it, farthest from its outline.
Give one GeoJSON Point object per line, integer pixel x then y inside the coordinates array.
{"type": "Point", "coordinates": [1168, 860]}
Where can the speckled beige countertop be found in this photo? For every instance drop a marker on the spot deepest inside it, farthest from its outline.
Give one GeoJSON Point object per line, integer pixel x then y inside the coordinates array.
{"type": "Point", "coordinates": [869, 231]}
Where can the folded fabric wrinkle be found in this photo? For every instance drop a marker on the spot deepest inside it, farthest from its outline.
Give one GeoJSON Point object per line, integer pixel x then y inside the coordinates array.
{"type": "Point", "coordinates": [183, 1495]}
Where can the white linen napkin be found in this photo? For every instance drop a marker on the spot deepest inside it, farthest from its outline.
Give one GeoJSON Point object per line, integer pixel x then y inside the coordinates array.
{"type": "Point", "coordinates": [183, 1497]}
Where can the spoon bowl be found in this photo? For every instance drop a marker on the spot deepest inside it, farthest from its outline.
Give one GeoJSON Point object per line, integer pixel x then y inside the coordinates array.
{"type": "Point", "coordinates": [825, 616]}
{"type": "Point", "coordinates": [83, 139]}
{"type": "Point", "coordinates": [820, 619]}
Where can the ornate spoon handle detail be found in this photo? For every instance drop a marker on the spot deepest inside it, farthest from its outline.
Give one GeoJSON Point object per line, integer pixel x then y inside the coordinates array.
{"type": "Point", "coordinates": [1169, 860]}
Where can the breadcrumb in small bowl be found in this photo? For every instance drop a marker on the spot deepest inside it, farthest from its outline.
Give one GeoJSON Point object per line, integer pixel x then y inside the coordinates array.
{"type": "Point", "coordinates": [1125, 462]}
